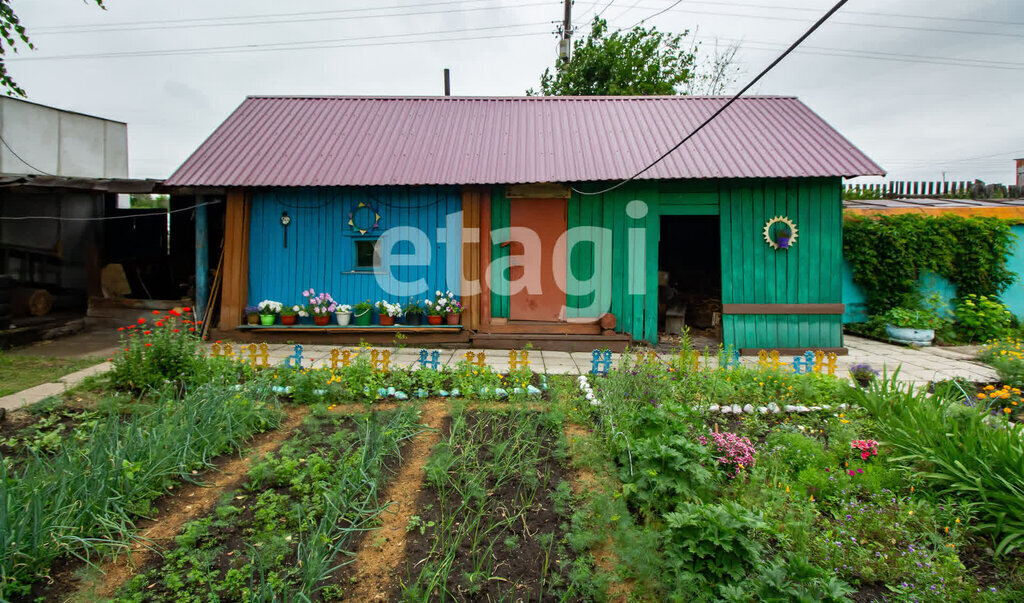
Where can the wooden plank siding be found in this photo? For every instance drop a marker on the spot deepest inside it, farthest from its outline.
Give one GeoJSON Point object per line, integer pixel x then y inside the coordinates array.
{"type": "Point", "coordinates": [236, 259]}
{"type": "Point", "coordinates": [472, 198]}
{"type": "Point", "coordinates": [807, 273]}
{"type": "Point", "coordinates": [321, 244]}
{"type": "Point", "coordinates": [501, 217]}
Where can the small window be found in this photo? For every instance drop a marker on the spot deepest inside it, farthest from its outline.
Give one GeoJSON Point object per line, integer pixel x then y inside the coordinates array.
{"type": "Point", "coordinates": [365, 254]}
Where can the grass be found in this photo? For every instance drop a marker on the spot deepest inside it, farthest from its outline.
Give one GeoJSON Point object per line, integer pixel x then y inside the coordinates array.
{"type": "Point", "coordinates": [19, 372]}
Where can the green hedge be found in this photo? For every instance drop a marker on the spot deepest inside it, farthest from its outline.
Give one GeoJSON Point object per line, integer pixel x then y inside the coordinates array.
{"type": "Point", "coordinates": [888, 254]}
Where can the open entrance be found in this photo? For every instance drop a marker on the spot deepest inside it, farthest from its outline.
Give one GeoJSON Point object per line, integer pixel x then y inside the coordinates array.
{"type": "Point", "coordinates": [690, 279]}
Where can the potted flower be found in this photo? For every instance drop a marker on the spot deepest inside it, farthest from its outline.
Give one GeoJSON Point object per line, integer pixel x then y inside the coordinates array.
{"type": "Point", "coordinates": [252, 315]}
{"type": "Point", "coordinates": [320, 307]}
{"type": "Point", "coordinates": [454, 315]}
{"type": "Point", "coordinates": [863, 374]}
{"type": "Point", "coordinates": [909, 326]}
{"type": "Point", "coordinates": [435, 313]}
{"type": "Point", "coordinates": [783, 238]}
{"type": "Point", "coordinates": [344, 314]}
{"type": "Point", "coordinates": [413, 313]}
{"type": "Point", "coordinates": [290, 314]}
{"type": "Point", "coordinates": [269, 310]}
{"type": "Point", "coordinates": [388, 312]}
{"type": "Point", "coordinates": [363, 313]}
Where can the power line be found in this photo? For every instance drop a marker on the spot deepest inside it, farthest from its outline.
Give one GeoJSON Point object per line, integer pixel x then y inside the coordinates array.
{"type": "Point", "coordinates": [303, 45]}
{"type": "Point", "coordinates": [103, 218]}
{"type": "Point", "coordinates": [728, 103]}
{"type": "Point", "coordinates": [15, 153]}
{"type": "Point", "coordinates": [662, 11]}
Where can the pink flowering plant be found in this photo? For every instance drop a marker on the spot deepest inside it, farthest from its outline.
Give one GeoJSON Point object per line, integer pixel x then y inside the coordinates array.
{"type": "Point", "coordinates": [321, 304]}
{"type": "Point", "coordinates": [736, 451]}
{"type": "Point", "coordinates": [867, 448]}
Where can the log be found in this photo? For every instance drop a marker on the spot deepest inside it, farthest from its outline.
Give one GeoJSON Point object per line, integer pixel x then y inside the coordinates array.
{"type": "Point", "coordinates": [31, 302]}
{"type": "Point", "coordinates": [608, 321]}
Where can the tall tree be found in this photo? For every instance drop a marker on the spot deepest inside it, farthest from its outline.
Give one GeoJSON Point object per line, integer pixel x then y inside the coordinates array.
{"type": "Point", "coordinates": [638, 61]}
{"type": "Point", "coordinates": [12, 32]}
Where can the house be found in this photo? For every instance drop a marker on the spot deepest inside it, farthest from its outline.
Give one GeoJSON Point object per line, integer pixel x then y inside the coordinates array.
{"type": "Point", "coordinates": [533, 211]}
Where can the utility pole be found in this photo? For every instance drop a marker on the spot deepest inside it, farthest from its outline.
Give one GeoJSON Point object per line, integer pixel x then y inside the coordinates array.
{"type": "Point", "coordinates": [447, 82]}
{"type": "Point", "coordinates": [564, 43]}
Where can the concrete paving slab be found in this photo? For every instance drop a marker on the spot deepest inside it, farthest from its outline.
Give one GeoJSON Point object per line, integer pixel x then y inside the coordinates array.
{"type": "Point", "coordinates": [32, 395]}
{"type": "Point", "coordinates": [77, 377]}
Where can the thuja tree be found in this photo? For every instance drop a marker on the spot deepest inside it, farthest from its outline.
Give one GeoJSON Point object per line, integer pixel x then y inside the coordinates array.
{"type": "Point", "coordinates": [889, 253]}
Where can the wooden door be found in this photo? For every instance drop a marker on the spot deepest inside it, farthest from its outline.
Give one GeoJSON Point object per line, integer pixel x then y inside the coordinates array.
{"type": "Point", "coordinates": [546, 218]}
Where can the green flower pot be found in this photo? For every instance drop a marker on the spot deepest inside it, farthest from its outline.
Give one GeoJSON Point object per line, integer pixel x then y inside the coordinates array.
{"type": "Point", "coordinates": [363, 319]}
{"type": "Point", "coordinates": [267, 319]}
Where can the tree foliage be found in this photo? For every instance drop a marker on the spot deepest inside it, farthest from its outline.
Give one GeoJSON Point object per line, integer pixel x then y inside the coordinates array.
{"type": "Point", "coordinates": [639, 61]}
{"type": "Point", "coordinates": [11, 33]}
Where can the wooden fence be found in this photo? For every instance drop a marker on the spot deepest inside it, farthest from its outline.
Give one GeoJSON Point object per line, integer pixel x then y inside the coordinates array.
{"type": "Point", "coordinates": [923, 190]}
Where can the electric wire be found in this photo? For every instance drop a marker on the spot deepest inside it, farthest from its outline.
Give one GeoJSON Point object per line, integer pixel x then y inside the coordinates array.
{"type": "Point", "coordinates": [104, 218]}
{"type": "Point", "coordinates": [821, 21]}
{"type": "Point", "coordinates": [15, 153]}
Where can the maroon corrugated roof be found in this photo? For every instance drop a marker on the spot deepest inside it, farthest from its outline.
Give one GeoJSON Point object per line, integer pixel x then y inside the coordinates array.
{"type": "Point", "coordinates": [334, 141]}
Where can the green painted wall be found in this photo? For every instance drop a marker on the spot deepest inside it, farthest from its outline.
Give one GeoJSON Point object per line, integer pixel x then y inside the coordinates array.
{"type": "Point", "coordinates": [625, 268]}
{"type": "Point", "coordinates": [754, 273]}
{"type": "Point", "coordinates": [501, 217]}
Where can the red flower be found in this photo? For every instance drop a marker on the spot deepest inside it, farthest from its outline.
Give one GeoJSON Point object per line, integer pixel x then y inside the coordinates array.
{"type": "Point", "coordinates": [141, 321]}
{"type": "Point", "coordinates": [146, 332]}
{"type": "Point", "coordinates": [126, 349]}
{"type": "Point", "coordinates": [176, 330]}
{"type": "Point", "coordinates": [149, 345]}
{"type": "Point", "coordinates": [186, 309]}
{"type": "Point", "coordinates": [156, 311]}
{"type": "Point", "coordinates": [191, 329]}
{"type": "Point", "coordinates": [173, 313]}
{"type": "Point", "coordinates": [218, 341]}
{"type": "Point", "coordinates": [159, 323]}
{"type": "Point", "coordinates": [120, 328]}
{"type": "Point", "coordinates": [199, 322]}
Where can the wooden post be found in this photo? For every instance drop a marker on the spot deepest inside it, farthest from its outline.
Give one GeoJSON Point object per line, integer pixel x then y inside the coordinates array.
{"type": "Point", "coordinates": [236, 259]}
{"type": "Point", "coordinates": [202, 258]}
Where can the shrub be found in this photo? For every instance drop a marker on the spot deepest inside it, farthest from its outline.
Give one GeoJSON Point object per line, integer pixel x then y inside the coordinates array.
{"type": "Point", "coordinates": [981, 318]}
{"type": "Point", "coordinates": [162, 349]}
{"type": "Point", "coordinates": [713, 543]}
{"type": "Point", "coordinates": [665, 469]}
{"type": "Point", "coordinates": [1007, 357]}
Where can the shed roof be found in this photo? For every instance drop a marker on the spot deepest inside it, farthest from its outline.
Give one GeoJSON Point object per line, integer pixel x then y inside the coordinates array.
{"type": "Point", "coordinates": [365, 141]}
{"type": "Point", "coordinates": [1010, 209]}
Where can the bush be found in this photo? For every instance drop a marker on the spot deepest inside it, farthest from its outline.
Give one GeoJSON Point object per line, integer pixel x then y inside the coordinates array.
{"type": "Point", "coordinates": [981, 318]}
{"type": "Point", "coordinates": [162, 349]}
{"type": "Point", "coordinates": [713, 543]}
{"type": "Point", "coordinates": [1007, 357]}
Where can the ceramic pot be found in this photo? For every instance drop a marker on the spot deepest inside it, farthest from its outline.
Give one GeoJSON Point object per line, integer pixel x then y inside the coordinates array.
{"type": "Point", "coordinates": [267, 319]}
{"type": "Point", "coordinates": [453, 319]}
{"type": "Point", "coordinates": [434, 320]}
{"type": "Point", "coordinates": [253, 319]}
{"type": "Point", "coordinates": [783, 242]}
{"type": "Point", "coordinates": [387, 321]}
{"type": "Point", "coordinates": [343, 318]}
{"type": "Point", "coordinates": [289, 319]}
{"type": "Point", "coordinates": [322, 321]}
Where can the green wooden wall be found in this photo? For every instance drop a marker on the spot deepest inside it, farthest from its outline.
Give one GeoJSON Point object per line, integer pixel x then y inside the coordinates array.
{"type": "Point", "coordinates": [625, 267]}
{"type": "Point", "coordinates": [501, 217]}
{"type": "Point", "coordinates": [808, 273]}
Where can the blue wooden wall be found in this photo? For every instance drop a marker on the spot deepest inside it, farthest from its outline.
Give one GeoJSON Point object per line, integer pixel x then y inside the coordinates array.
{"type": "Point", "coordinates": [321, 244]}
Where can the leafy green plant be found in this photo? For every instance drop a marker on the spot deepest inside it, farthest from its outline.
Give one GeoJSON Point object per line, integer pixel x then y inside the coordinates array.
{"type": "Point", "coordinates": [666, 469]}
{"type": "Point", "coordinates": [164, 348]}
{"type": "Point", "coordinates": [981, 318]}
{"type": "Point", "coordinates": [910, 318]}
{"type": "Point", "coordinates": [708, 544]}
{"type": "Point", "coordinates": [1007, 357]}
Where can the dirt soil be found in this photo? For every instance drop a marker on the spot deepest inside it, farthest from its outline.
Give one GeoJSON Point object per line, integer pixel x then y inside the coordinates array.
{"type": "Point", "coordinates": [191, 502]}
{"type": "Point", "coordinates": [516, 574]}
{"type": "Point", "coordinates": [381, 552]}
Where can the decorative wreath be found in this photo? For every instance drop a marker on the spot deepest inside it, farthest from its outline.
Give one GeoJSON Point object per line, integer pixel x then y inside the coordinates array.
{"type": "Point", "coordinates": [768, 231]}
{"type": "Point", "coordinates": [363, 218]}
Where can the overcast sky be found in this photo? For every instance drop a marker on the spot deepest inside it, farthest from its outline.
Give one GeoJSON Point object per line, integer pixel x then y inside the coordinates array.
{"type": "Point", "coordinates": [924, 87]}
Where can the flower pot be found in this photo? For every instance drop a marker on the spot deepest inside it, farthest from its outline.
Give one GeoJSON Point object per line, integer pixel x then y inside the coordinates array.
{"type": "Point", "coordinates": [364, 318]}
{"type": "Point", "coordinates": [322, 321]}
{"type": "Point", "coordinates": [453, 319]}
{"type": "Point", "coordinates": [919, 337]}
{"type": "Point", "coordinates": [387, 321]}
{"type": "Point", "coordinates": [434, 320]}
{"type": "Point", "coordinates": [267, 319]}
{"type": "Point", "coordinates": [253, 319]}
{"type": "Point", "coordinates": [289, 319]}
{"type": "Point", "coordinates": [413, 319]}
{"type": "Point", "coordinates": [343, 318]}
{"type": "Point", "coordinates": [863, 382]}
{"type": "Point", "coordinates": [783, 242]}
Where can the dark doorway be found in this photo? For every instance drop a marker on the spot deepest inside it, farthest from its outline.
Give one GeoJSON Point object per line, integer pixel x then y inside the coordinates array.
{"type": "Point", "coordinates": [690, 279]}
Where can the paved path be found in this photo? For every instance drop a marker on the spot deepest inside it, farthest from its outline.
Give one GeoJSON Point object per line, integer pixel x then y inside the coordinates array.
{"type": "Point", "coordinates": [919, 366]}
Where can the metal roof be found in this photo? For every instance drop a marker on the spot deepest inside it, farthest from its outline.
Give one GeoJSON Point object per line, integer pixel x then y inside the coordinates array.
{"type": "Point", "coordinates": [930, 203]}
{"type": "Point", "coordinates": [365, 141]}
